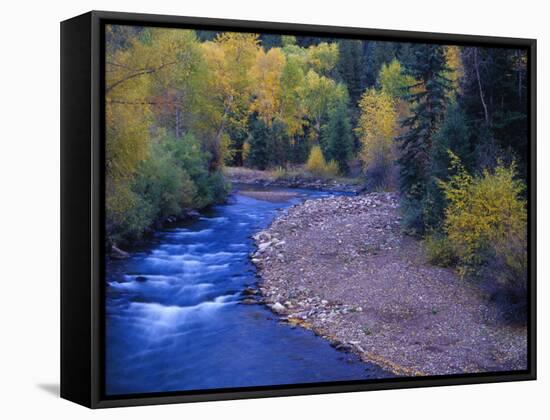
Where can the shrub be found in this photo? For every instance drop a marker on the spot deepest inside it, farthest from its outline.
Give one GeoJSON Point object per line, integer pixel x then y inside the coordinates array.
{"type": "Point", "coordinates": [331, 169]}
{"type": "Point", "coordinates": [412, 210]}
{"type": "Point", "coordinates": [440, 250]}
{"type": "Point", "coordinates": [137, 220]}
{"type": "Point", "coordinates": [486, 222]}
{"type": "Point", "coordinates": [173, 178]}
{"type": "Point", "coordinates": [187, 154]}
{"type": "Point", "coordinates": [160, 189]}
{"type": "Point", "coordinates": [216, 188]}
{"type": "Point", "coordinates": [316, 161]}
{"type": "Point", "coordinates": [380, 174]}
{"type": "Point", "coordinates": [279, 172]}
{"type": "Point", "coordinates": [317, 165]}
{"type": "Point", "coordinates": [245, 151]}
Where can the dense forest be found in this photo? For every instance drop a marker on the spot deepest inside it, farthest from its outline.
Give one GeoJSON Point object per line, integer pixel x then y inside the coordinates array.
{"type": "Point", "coordinates": [446, 126]}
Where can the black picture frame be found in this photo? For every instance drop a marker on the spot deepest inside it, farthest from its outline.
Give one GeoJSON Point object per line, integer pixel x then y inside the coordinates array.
{"type": "Point", "coordinates": [82, 208]}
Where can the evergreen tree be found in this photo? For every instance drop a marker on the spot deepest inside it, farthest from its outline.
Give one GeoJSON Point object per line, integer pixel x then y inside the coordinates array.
{"type": "Point", "coordinates": [237, 138]}
{"type": "Point", "coordinates": [308, 41]}
{"type": "Point", "coordinates": [378, 53]}
{"type": "Point", "coordinates": [352, 68]}
{"type": "Point", "coordinates": [258, 156]}
{"type": "Point", "coordinates": [279, 145]}
{"type": "Point", "coordinates": [453, 136]}
{"type": "Point", "coordinates": [300, 147]}
{"type": "Point", "coordinates": [427, 98]}
{"type": "Point", "coordinates": [352, 71]}
{"type": "Point", "coordinates": [270, 41]}
{"type": "Point", "coordinates": [406, 55]}
{"type": "Point", "coordinates": [337, 138]}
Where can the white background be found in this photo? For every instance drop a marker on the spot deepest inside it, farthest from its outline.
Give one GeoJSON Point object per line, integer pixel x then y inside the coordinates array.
{"type": "Point", "coordinates": [29, 231]}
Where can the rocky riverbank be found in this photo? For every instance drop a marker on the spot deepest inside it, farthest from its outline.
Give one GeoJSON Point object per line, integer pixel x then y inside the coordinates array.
{"type": "Point", "coordinates": [275, 196]}
{"type": "Point", "coordinates": [341, 267]}
{"type": "Point", "coordinates": [266, 179]}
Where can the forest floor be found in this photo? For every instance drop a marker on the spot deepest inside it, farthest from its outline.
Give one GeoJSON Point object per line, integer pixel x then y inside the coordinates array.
{"type": "Point", "coordinates": [296, 177]}
{"type": "Point", "coordinates": [341, 267]}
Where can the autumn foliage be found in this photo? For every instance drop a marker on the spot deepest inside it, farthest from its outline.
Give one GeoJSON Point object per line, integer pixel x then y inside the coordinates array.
{"type": "Point", "coordinates": [377, 129]}
{"type": "Point", "coordinates": [486, 223]}
{"type": "Point", "coordinates": [317, 165]}
{"type": "Point", "coordinates": [182, 104]}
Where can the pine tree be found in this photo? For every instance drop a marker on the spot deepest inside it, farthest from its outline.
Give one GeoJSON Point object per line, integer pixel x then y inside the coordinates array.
{"type": "Point", "coordinates": [379, 52]}
{"type": "Point", "coordinates": [279, 146]}
{"type": "Point", "coordinates": [337, 137]}
{"type": "Point", "coordinates": [427, 98]}
{"type": "Point", "coordinates": [454, 136]}
{"type": "Point", "coordinates": [352, 68]}
{"type": "Point", "coordinates": [258, 156]}
{"type": "Point", "coordinates": [352, 71]}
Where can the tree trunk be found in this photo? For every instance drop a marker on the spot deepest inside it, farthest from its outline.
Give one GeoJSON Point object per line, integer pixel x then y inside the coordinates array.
{"type": "Point", "coordinates": [178, 122]}
{"type": "Point", "coordinates": [518, 55]}
{"type": "Point", "coordinates": [481, 95]}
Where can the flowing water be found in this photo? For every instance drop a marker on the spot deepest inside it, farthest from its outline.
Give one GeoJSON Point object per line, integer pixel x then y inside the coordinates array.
{"type": "Point", "coordinates": [174, 320]}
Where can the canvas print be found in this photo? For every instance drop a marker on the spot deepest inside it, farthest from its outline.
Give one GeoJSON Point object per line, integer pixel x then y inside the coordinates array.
{"type": "Point", "coordinates": [290, 210]}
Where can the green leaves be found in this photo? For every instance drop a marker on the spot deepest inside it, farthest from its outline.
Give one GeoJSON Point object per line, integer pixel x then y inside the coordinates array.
{"type": "Point", "coordinates": [156, 81]}
{"type": "Point", "coordinates": [178, 108]}
{"type": "Point", "coordinates": [393, 81]}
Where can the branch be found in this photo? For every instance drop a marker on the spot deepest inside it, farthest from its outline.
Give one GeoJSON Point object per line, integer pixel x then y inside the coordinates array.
{"type": "Point", "coordinates": [137, 74]}
{"type": "Point", "coordinates": [123, 102]}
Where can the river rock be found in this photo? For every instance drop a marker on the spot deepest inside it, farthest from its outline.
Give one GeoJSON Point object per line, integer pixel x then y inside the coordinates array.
{"type": "Point", "coordinates": [263, 246]}
{"type": "Point", "coordinates": [278, 308]}
{"type": "Point", "coordinates": [262, 236]}
{"type": "Point", "coordinates": [248, 301]}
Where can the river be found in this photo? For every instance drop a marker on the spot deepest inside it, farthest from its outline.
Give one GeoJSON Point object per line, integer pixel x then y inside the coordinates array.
{"type": "Point", "coordinates": [174, 320]}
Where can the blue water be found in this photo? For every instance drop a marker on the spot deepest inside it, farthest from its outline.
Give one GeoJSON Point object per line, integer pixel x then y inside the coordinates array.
{"type": "Point", "coordinates": [174, 321]}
